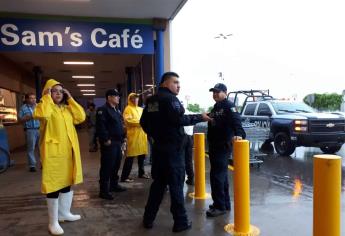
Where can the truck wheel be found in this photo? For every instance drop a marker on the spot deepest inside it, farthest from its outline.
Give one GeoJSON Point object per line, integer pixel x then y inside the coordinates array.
{"type": "Point", "coordinates": [283, 144]}
{"type": "Point", "coordinates": [267, 147]}
{"type": "Point", "coordinates": [330, 149]}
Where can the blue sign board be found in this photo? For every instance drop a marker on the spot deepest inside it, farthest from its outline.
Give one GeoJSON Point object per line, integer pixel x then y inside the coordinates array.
{"type": "Point", "coordinates": [62, 36]}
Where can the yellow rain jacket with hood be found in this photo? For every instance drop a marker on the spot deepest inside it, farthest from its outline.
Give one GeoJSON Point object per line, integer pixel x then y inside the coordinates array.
{"type": "Point", "coordinates": [59, 146]}
{"type": "Point", "coordinates": [136, 137]}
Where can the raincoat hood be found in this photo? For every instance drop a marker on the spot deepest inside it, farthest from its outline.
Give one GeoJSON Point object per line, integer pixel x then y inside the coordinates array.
{"type": "Point", "coordinates": [129, 99]}
{"type": "Point", "coordinates": [49, 84]}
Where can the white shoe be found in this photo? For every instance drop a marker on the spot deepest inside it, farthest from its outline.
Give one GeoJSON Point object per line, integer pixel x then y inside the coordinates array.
{"type": "Point", "coordinates": [65, 202]}
{"type": "Point", "coordinates": [53, 226]}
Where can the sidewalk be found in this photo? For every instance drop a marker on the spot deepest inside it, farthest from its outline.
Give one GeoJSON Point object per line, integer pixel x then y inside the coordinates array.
{"type": "Point", "coordinates": [23, 208]}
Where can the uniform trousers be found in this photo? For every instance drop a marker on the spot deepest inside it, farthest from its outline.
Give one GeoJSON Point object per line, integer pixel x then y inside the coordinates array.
{"type": "Point", "coordinates": [167, 170]}
{"type": "Point", "coordinates": [110, 164]}
{"type": "Point", "coordinates": [219, 159]}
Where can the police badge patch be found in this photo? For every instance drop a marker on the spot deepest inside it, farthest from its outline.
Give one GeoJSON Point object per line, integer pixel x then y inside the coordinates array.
{"type": "Point", "coordinates": [176, 105]}
{"type": "Point", "coordinates": [153, 107]}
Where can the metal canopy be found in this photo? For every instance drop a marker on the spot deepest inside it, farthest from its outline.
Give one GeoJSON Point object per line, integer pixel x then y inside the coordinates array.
{"type": "Point", "coordinates": [108, 69]}
{"type": "Point", "coordinates": [136, 9]}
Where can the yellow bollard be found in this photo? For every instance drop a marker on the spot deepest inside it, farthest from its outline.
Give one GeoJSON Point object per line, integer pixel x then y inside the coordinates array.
{"type": "Point", "coordinates": [327, 195]}
{"type": "Point", "coordinates": [199, 167]}
{"type": "Point", "coordinates": [241, 225]}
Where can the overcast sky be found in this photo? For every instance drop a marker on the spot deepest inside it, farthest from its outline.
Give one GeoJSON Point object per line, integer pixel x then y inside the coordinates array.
{"type": "Point", "coordinates": [293, 47]}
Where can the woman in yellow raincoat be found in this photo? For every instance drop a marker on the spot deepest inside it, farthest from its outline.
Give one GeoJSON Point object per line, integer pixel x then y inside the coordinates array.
{"type": "Point", "coordinates": [136, 139]}
{"type": "Point", "coordinates": [58, 112]}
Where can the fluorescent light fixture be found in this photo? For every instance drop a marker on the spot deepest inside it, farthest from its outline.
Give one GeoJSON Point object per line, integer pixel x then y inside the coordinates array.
{"type": "Point", "coordinates": [149, 85]}
{"type": "Point", "coordinates": [89, 94]}
{"type": "Point", "coordinates": [76, 0]}
{"type": "Point", "coordinates": [87, 90]}
{"type": "Point", "coordinates": [78, 63]}
{"type": "Point", "coordinates": [85, 85]}
{"type": "Point", "coordinates": [83, 76]}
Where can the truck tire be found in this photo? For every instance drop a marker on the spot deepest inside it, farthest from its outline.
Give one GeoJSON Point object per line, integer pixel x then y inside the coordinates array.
{"type": "Point", "coordinates": [330, 149]}
{"type": "Point", "coordinates": [283, 144]}
{"type": "Point", "coordinates": [267, 148]}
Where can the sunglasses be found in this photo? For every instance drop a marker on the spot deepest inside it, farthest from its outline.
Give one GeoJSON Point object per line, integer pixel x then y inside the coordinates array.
{"type": "Point", "coordinates": [57, 90]}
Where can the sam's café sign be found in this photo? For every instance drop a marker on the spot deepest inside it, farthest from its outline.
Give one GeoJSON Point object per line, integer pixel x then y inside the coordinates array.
{"type": "Point", "coordinates": [59, 36]}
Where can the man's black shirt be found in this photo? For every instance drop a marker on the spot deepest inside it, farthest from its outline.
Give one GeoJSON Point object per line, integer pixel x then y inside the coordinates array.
{"type": "Point", "coordinates": [109, 124]}
{"type": "Point", "coordinates": [163, 119]}
{"type": "Point", "coordinates": [226, 124]}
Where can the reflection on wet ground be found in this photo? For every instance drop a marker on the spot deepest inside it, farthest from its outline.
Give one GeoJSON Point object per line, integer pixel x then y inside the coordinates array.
{"type": "Point", "coordinates": [281, 201]}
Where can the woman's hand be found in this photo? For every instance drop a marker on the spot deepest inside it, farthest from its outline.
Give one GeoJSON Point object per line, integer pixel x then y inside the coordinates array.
{"type": "Point", "coordinates": [67, 92]}
{"type": "Point", "coordinates": [47, 91]}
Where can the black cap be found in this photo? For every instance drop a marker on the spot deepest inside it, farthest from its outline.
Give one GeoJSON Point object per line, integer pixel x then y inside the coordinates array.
{"type": "Point", "coordinates": [219, 87]}
{"type": "Point", "coordinates": [112, 92]}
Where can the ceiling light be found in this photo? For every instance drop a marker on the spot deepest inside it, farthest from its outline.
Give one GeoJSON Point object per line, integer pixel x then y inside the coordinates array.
{"type": "Point", "coordinates": [89, 94]}
{"type": "Point", "coordinates": [86, 85]}
{"type": "Point", "coordinates": [78, 62]}
{"type": "Point", "coordinates": [83, 76]}
{"type": "Point", "coordinates": [76, 0]}
{"type": "Point", "coordinates": [149, 85]}
{"type": "Point", "coordinates": [87, 90]}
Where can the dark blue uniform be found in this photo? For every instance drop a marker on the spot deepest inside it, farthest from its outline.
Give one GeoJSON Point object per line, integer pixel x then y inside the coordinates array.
{"type": "Point", "coordinates": [109, 126]}
{"type": "Point", "coordinates": [226, 124]}
{"type": "Point", "coordinates": [163, 120]}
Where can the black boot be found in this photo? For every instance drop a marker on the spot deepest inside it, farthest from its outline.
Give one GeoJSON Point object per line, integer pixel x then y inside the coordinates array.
{"type": "Point", "coordinates": [106, 196]}
{"type": "Point", "coordinates": [182, 227]}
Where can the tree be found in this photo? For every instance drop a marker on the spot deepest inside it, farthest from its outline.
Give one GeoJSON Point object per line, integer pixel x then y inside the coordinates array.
{"type": "Point", "coordinates": [325, 101]}
{"type": "Point", "coordinates": [194, 108]}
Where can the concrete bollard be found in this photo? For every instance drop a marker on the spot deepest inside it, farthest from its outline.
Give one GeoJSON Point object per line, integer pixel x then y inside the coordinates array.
{"type": "Point", "coordinates": [327, 195]}
{"type": "Point", "coordinates": [241, 225]}
{"type": "Point", "coordinates": [199, 167]}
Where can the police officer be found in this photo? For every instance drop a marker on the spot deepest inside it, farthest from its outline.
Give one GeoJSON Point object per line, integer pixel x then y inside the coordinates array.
{"type": "Point", "coordinates": [163, 120]}
{"type": "Point", "coordinates": [111, 135]}
{"type": "Point", "coordinates": [225, 127]}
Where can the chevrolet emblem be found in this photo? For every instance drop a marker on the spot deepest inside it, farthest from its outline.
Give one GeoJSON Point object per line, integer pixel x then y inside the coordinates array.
{"type": "Point", "coordinates": [330, 125]}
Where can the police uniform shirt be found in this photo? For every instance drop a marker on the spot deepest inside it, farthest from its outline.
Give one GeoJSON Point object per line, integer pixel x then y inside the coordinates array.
{"type": "Point", "coordinates": [226, 123]}
{"type": "Point", "coordinates": [109, 124]}
{"type": "Point", "coordinates": [163, 119]}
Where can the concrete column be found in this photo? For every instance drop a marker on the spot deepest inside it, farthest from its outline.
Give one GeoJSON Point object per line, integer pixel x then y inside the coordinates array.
{"type": "Point", "coordinates": [38, 80]}
{"type": "Point", "coordinates": [159, 56]}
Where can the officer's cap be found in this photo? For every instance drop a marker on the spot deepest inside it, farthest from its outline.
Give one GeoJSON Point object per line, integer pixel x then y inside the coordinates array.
{"type": "Point", "coordinates": [218, 88]}
{"type": "Point", "coordinates": [112, 92]}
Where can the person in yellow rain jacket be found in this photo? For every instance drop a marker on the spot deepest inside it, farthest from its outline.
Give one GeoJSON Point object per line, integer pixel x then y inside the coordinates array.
{"type": "Point", "coordinates": [136, 139]}
{"type": "Point", "coordinates": [58, 112]}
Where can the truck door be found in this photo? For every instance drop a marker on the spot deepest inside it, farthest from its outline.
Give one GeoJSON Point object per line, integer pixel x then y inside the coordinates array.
{"type": "Point", "coordinates": [248, 115]}
{"type": "Point", "coordinates": [263, 116]}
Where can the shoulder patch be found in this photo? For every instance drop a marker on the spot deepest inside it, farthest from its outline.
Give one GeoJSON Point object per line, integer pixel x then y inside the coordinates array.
{"type": "Point", "coordinates": [233, 109]}
{"type": "Point", "coordinates": [100, 112]}
{"type": "Point", "coordinates": [176, 105]}
{"type": "Point", "coordinates": [153, 107]}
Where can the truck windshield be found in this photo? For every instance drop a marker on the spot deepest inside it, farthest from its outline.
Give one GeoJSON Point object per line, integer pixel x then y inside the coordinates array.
{"type": "Point", "coordinates": [291, 107]}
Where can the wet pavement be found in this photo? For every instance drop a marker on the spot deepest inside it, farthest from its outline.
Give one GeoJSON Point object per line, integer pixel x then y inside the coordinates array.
{"type": "Point", "coordinates": [281, 201]}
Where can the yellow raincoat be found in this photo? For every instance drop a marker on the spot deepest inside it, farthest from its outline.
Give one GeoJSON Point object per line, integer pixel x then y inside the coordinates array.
{"type": "Point", "coordinates": [136, 137]}
{"type": "Point", "coordinates": [59, 146]}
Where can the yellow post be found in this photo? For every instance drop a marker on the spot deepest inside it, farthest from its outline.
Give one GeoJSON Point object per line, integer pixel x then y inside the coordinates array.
{"type": "Point", "coordinates": [199, 167]}
{"type": "Point", "coordinates": [327, 195]}
{"type": "Point", "coordinates": [241, 186]}
{"type": "Point", "coordinates": [241, 224]}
